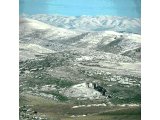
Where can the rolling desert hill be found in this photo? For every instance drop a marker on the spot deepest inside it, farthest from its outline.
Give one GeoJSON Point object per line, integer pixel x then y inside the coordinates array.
{"type": "Point", "coordinates": [59, 63]}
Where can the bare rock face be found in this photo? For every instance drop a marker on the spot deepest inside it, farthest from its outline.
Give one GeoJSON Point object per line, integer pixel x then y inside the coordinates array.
{"type": "Point", "coordinates": [83, 91]}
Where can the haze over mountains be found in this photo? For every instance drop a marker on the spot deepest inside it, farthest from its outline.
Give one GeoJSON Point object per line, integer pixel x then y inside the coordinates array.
{"type": "Point", "coordinates": [91, 23]}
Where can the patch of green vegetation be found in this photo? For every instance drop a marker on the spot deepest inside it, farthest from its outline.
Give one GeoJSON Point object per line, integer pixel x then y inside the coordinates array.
{"type": "Point", "coordinates": [134, 99]}
{"type": "Point", "coordinates": [124, 111]}
{"type": "Point", "coordinates": [59, 96]}
{"type": "Point", "coordinates": [125, 95]}
{"type": "Point", "coordinates": [106, 117]}
{"type": "Point", "coordinates": [51, 60]}
{"type": "Point", "coordinates": [64, 83]}
{"type": "Point", "coordinates": [41, 79]}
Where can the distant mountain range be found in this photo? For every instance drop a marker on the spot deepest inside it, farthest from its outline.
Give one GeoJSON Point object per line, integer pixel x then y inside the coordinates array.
{"type": "Point", "coordinates": [91, 23]}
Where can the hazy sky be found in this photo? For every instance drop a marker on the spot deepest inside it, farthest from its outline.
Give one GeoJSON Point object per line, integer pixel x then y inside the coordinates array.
{"type": "Point", "coordinates": [129, 8]}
